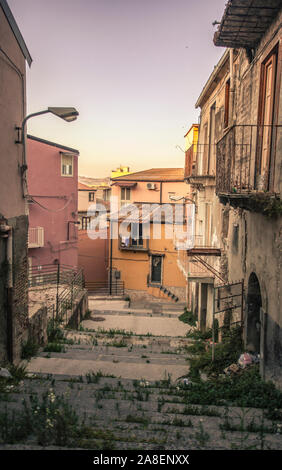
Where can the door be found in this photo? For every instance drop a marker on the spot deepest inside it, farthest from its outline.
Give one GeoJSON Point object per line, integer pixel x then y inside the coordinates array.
{"type": "Point", "coordinates": [265, 119]}
{"type": "Point", "coordinates": [156, 269]}
{"type": "Point", "coordinates": [211, 159]}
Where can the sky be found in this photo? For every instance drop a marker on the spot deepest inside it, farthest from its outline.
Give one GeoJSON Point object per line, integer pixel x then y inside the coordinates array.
{"type": "Point", "coordinates": [133, 69]}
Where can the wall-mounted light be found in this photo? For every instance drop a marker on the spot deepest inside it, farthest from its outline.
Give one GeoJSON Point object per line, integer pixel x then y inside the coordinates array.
{"type": "Point", "coordinates": [67, 114]}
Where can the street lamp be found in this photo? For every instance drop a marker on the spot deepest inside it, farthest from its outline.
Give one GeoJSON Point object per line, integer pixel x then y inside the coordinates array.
{"type": "Point", "coordinates": [178, 198]}
{"type": "Point", "coordinates": [67, 114]}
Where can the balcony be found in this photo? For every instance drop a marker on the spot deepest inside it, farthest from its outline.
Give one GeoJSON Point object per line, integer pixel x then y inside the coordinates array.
{"type": "Point", "coordinates": [194, 245]}
{"type": "Point", "coordinates": [197, 269]}
{"type": "Point", "coordinates": [200, 165]}
{"type": "Point", "coordinates": [131, 244]}
{"type": "Point", "coordinates": [36, 237]}
{"type": "Point", "coordinates": [245, 167]}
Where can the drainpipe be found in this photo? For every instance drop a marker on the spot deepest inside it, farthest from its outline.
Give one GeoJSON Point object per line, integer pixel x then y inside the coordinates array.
{"type": "Point", "coordinates": [232, 90]}
{"type": "Point", "coordinates": [7, 232]}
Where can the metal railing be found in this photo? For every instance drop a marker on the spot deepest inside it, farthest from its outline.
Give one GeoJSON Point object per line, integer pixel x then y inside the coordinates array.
{"type": "Point", "coordinates": [69, 284]}
{"type": "Point", "coordinates": [116, 287]}
{"type": "Point", "coordinates": [244, 157]}
{"type": "Point", "coordinates": [50, 274]}
{"type": "Point", "coordinates": [65, 301]}
{"type": "Point", "coordinates": [200, 160]}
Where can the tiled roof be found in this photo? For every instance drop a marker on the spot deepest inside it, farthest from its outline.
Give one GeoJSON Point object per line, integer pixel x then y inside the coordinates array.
{"type": "Point", "coordinates": [97, 182]}
{"type": "Point", "coordinates": [154, 174]}
{"type": "Point", "coordinates": [84, 187]}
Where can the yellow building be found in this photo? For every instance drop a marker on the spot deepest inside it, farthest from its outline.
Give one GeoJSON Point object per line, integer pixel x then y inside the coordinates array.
{"type": "Point", "coordinates": [121, 171]}
{"type": "Point", "coordinates": [144, 256]}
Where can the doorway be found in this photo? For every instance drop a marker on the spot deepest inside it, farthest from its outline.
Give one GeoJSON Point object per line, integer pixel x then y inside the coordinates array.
{"type": "Point", "coordinates": [254, 304]}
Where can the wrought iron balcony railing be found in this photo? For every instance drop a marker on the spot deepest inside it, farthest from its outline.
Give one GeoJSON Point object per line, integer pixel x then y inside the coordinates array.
{"type": "Point", "coordinates": [244, 159]}
{"type": "Point", "coordinates": [200, 161]}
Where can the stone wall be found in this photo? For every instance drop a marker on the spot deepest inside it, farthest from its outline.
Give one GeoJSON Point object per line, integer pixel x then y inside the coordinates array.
{"type": "Point", "coordinates": [37, 328]}
{"type": "Point", "coordinates": [154, 294]}
{"type": "Point", "coordinates": [14, 301]}
{"type": "Point", "coordinates": [254, 240]}
{"type": "Point", "coordinates": [79, 310]}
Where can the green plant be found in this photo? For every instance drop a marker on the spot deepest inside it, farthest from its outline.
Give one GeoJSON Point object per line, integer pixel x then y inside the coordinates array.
{"type": "Point", "coordinates": [54, 332]}
{"type": "Point", "coordinates": [198, 334]}
{"type": "Point", "coordinates": [188, 317]}
{"type": "Point", "coordinates": [94, 377]}
{"type": "Point", "coordinates": [202, 436]}
{"type": "Point", "coordinates": [137, 419]}
{"type": "Point", "coordinates": [87, 315]}
{"type": "Point", "coordinates": [118, 344]}
{"type": "Point", "coordinates": [226, 353]}
{"type": "Point", "coordinates": [18, 372]}
{"type": "Point", "coordinates": [29, 349]}
{"type": "Point", "coordinates": [54, 347]}
{"type": "Point", "coordinates": [244, 390]}
{"type": "Point", "coordinates": [53, 420]}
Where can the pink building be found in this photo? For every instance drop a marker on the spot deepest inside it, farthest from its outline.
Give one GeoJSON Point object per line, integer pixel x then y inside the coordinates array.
{"type": "Point", "coordinates": [92, 253]}
{"type": "Point", "coordinates": [52, 189]}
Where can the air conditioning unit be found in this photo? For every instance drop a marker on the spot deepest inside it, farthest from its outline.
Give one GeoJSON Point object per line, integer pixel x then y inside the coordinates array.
{"type": "Point", "coordinates": [151, 186]}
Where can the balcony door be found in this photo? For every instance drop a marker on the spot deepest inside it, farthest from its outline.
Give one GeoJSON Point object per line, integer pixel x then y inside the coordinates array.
{"type": "Point", "coordinates": [265, 121]}
{"type": "Point", "coordinates": [211, 160]}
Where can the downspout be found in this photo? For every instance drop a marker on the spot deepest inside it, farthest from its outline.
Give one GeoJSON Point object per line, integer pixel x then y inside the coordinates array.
{"type": "Point", "coordinates": [232, 89]}
{"type": "Point", "coordinates": [6, 231]}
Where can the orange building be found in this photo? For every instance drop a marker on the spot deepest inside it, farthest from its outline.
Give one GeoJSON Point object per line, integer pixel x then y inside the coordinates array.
{"type": "Point", "coordinates": [142, 252]}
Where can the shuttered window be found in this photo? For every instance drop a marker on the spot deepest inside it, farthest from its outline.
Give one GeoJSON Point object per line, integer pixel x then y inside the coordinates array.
{"type": "Point", "coordinates": [67, 165]}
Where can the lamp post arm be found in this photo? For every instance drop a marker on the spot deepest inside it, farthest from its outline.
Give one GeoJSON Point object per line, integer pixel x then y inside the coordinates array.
{"type": "Point", "coordinates": [24, 166]}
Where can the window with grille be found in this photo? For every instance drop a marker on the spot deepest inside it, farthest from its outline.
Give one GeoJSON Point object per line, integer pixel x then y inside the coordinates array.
{"type": "Point", "coordinates": [85, 223]}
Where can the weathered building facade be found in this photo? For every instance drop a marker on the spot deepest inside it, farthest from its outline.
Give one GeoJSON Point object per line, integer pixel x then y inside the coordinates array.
{"type": "Point", "coordinates": [204, 263]}
{"type": "Point", "coordinates": [92, 251]}
{"type": "Point", "coordinates": [53, 206]}
{"type": "Point", "coordinates": [13, 218]}
{"type": "Point", "coordinates": [144, 259]}
{"type": "Point", "coordinates": [249, 170]}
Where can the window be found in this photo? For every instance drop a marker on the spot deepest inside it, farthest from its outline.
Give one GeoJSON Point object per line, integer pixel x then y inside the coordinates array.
{"type": "Point", "coordinates": [91, 197]}
{"type": "Point", "coordinates": [125, 196]}
{"type": "Point", "coordinates": [85, 223]}
{"type": "Point", "coordinates": [156, 269]}
{"type": "Point", "coordinates": [211, 156]}
{"type": "Point", "coordinates": [137, 235]}
{"type": "Point", "coordinates": [226, 104]}
{"type": "Point", "coordinates": [67, 165]}
{"type": "Point", "coordinates": [106, 194]}
{"type": "Point", "coordinates": [134, 238]}
{"type": "Point", "coordinates": [205, 151]}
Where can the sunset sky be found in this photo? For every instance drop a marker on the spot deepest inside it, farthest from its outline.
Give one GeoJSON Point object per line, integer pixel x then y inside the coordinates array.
{"type": "Point", "coordinates": [133, 69]}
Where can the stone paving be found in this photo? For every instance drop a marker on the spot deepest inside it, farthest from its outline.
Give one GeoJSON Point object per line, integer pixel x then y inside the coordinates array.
{"type": "Point", "coordinates": [128, 388]}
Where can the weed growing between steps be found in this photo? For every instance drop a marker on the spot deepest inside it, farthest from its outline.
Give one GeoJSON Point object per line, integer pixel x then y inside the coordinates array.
{"type": "Point", "coordinates": [245, 389]}
{"type": "Point", "coordinates": [188, 317]}
{"type": "Point", "coordinates": [29, 349]}
{"type": "Point", "coordinates": [56, 338]}
{"type": "Point", "coordinates": [226, 353]}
